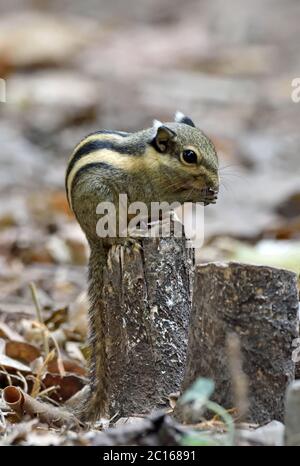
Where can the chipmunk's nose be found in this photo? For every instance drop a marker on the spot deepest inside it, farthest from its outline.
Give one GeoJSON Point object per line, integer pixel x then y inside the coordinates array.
{"type": "Point", "coordinates": [213, 191]}
{"type": "Point", "coordinates": [210, 191]}
{"type": "Point", "coordinates": [212, 184]}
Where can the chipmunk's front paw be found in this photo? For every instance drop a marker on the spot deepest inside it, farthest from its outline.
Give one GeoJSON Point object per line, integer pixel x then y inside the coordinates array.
{"type": "Point", "coordinates": [131, 246]}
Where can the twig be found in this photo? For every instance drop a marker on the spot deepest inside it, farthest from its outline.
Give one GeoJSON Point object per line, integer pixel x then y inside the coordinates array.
{"type": "Point", "coordinates": [60, 363]}
{"type": "Point", "coordinates": [12, 376]}
{"type": "Point", "coordinates": [4, 371]}
{"type": "Point", "coordinates": [37, 380]}
{"type": "Point", "coordinates": [51, 401]}
{"type": "Point", "coordinates": [113, 417]}
{"type": "Point", "coordinates": [48, 390]}
{"type": "Point", "coordinates": [2, 421]}
{"type": "Point", "coordinates": [24, 381]}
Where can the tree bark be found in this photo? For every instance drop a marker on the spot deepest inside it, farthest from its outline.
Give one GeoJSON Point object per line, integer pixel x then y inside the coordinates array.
{"type": "Point", "coordinates": [259, 304]}
{"type": "Point", "coordinates": [147, 303]}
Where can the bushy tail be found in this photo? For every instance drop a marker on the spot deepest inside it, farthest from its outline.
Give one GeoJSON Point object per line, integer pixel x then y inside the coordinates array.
{"type": "Point", "coordinates": [94, 403]}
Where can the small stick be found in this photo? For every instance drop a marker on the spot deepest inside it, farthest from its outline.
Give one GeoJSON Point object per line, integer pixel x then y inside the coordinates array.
{"type": "Point", "coordinates": [37, 380]}
{"type": "Point", "coordinates": [51, 401]}
{"type": "Point", "coordinates": [24, 381]}
{"type": "Point", "coordinates": [48, 390]}
{"type": "Point", "coordinates": [60, 363]}
{"type": "Point", "coordinates": [2, 421]}
{"type": "Point", "coordinates": [7, 375]}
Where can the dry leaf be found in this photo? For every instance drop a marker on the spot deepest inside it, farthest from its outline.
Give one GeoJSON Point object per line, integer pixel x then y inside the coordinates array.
{"type": "Point", "coordinates": [8, 362]}
{"type": "Point", "coordinates": [7, 332]}
{"type": "Point", "coordinates": [74, 351]}
{"type": "Point", "coordinates": [57, 317]}
{"type": "Point", "coordinates": [67, 385]}
{"type": "Point", "coordinates": [72, 367]}
{"type": "Point", "coordinates": [22, 351]}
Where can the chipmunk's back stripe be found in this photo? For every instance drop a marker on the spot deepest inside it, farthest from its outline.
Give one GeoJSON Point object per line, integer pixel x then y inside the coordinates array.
{"type": "Point", "coordinates": [85, 168]}
{"type": "Point", "coordinates": [103, 154]}
{"type": "Point", "coordinates": [109, 131]}
{"type": "Point", "coordinates": [94, 145]}
{"type": "Point", "coordinates": [88, 166]}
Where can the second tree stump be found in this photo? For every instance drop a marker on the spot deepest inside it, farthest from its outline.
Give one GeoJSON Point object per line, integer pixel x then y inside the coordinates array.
{"type": "Point", "coordinates": [260, 305]}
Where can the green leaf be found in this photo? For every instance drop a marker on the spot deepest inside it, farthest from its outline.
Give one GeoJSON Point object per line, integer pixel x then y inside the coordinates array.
{"type": "Point", "coordinates": [199, 393]}
{"type": "Point", "coordinates": [198, 440]}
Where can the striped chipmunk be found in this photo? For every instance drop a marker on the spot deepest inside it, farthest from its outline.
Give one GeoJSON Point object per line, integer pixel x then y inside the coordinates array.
{"type": "Point", "coordinates": [173, 161]}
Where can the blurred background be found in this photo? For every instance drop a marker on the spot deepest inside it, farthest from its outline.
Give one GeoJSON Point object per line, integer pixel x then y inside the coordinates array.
{"type": "Point", "coordinates": [72, 67]}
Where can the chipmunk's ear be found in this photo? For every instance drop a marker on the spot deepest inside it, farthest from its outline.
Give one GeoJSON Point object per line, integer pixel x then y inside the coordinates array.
{"type": "Point", "coordinates": [181, 118]}
{"type": "Point", "coordinates": [162, 136]}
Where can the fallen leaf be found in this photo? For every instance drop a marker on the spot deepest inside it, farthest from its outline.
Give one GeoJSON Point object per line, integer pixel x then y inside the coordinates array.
{"type": "Point", "coordinates": [67, 385]}
{"type": "Point", "coordinates": [22, 351]}
{"type": "Point", "coordinates": [7, 362]}
{"type": "Point", "coordinates": [74, 351]}
{"type": "Point", "coordinates": [7, 332]}
{"type": "Point", "coordinates": [72, 367]}
{"type": "Point", "coordinates": [57, 317]}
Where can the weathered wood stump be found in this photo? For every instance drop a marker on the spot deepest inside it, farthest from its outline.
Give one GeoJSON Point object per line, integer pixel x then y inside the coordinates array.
{"type": "Point", "coordinates": [147, 303]}
{"type": "Point", "coordinates": [260, 305]}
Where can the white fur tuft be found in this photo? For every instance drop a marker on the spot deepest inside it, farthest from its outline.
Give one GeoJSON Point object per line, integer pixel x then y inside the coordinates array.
{"type": "Point", "coordinates": [157, 124]}
{"type": "Point", "coordinates": [179, 116]}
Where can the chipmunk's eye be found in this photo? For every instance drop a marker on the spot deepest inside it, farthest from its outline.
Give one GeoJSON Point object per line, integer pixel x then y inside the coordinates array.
{"type": "Point", "coordinates": [189, 157]}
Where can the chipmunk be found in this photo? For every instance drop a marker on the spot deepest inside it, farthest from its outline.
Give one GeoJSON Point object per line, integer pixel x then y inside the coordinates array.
{"type": "Point", "coordinates": [173, 161]}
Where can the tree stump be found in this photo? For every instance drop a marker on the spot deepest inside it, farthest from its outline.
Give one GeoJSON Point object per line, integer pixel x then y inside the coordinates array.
{"type": "Point", "coordinates": [259, 304]}
{"type": "Point", "coordinates": [147, 303]}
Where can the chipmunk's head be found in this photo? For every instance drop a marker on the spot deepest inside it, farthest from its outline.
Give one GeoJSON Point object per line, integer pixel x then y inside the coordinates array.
{"type": "Point", "coordinates": [189, 162]}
